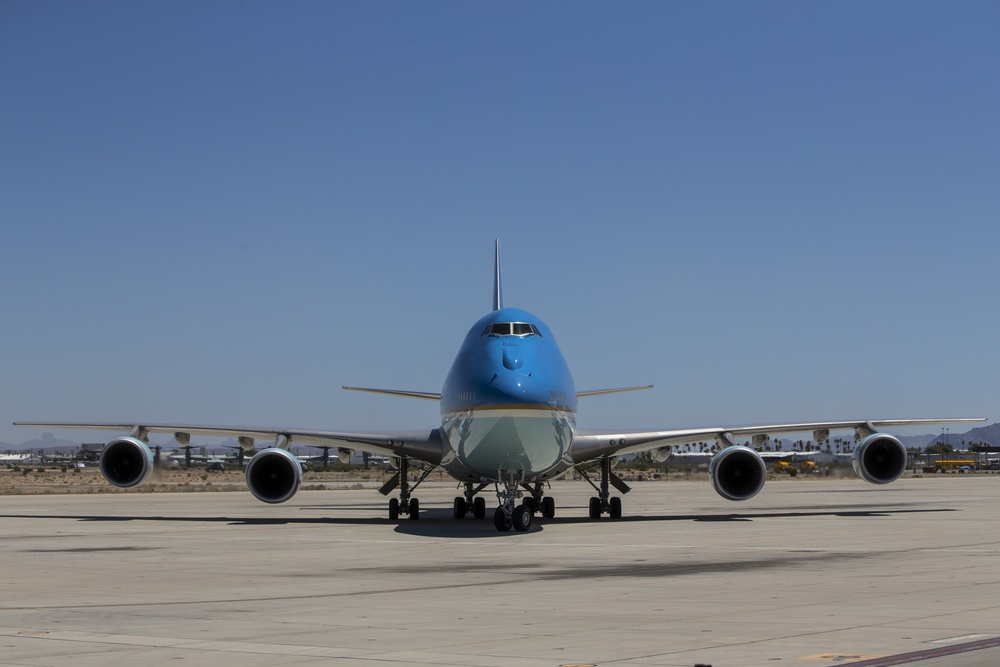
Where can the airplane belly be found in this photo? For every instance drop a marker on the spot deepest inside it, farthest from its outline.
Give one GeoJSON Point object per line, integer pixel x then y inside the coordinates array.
{"type": "Point", "coordinates": [532, 441]}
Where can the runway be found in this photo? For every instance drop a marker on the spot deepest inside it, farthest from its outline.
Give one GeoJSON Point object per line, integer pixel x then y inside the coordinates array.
{"type": "Point", "coordinates": [811, 572]}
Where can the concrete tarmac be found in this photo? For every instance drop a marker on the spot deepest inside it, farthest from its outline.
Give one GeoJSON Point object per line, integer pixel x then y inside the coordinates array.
{"type": "Point", "coordinates": [811, 572]}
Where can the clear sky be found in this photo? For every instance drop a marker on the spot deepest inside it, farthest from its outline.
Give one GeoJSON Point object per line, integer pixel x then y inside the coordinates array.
{"type": "Point", "coordinates": [221, 212]}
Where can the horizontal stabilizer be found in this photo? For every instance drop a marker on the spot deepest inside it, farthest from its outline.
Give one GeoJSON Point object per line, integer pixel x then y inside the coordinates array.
{"type": "Point", "coordinates": [598, 392]}
{"type": "Point", "coordinates": [395, 392]}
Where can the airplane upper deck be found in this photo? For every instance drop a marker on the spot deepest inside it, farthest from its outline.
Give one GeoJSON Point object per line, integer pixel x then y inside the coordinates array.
{"type": "Point", "coordinates": [508, 357]}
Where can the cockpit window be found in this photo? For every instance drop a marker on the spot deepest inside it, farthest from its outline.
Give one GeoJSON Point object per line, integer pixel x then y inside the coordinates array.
{"type": "Point", "coordinates": [511, 329]}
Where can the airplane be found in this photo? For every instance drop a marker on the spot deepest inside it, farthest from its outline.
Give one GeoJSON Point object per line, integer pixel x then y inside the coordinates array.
{"type": "Point", "coordinates": [344, 456]}
{"type": "Point", "coordinates": [508, 420]}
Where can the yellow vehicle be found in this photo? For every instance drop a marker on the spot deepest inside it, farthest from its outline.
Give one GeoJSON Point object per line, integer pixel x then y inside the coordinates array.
{"type": "Point", "coordinates": [951, 465]}
{"type": "Point", "coordinates": [795, 468]}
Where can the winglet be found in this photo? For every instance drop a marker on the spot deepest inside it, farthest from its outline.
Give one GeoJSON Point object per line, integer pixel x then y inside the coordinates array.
{"type": "Point", "coordinates": [497, 286]}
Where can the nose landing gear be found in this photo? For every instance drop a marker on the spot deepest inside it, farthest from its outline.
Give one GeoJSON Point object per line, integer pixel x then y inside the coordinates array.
{"type": "Point", "coordinates": [508, 516]}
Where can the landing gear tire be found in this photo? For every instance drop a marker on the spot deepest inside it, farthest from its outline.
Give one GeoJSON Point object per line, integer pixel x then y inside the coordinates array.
{"type": "Point", "coordinates": [595, 508]}
{"type": "Point", "coordinates": [479, 508]}
{"type": "Point", "coordinates": [522, 518]}
{"type": "Point", "coordinates": [460, 508]}
{"type": "Point", "coordinates": [616, 508]}
{"type": "Point", "coordinates": [414, 509]}
{"type": "Point", "coordinates": [393, 509]}
{"type": "Point", "coordinates": [548, 507]}
{"type": "Point", "coordinates": [501, 520]}
{"type": "Point", "coordinates": [529, 502]}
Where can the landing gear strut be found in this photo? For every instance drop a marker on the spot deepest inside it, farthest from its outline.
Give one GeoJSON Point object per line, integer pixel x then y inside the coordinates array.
{"type": "Point", "coordinates": [507, 515]}
{"type": "Point", "coordinates": [404, 504]}
{"type": "Point", "coordinates": [604, 503]}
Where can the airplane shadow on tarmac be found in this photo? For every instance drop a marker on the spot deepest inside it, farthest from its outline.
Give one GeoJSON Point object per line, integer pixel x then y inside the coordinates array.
{"type": "Point", "coordinates": [439, 523]}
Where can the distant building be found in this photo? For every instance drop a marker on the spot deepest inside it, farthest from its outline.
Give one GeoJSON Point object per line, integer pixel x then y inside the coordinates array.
{"type": "Point", "coordinates": [90, 452]}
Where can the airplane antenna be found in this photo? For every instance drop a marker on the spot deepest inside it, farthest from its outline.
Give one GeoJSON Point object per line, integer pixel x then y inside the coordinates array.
{"type": "Point", "coordinates": [497, 286]}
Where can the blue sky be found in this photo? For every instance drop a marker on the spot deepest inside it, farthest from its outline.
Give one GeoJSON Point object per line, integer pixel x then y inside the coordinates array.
{"type": "Point", "coordinates": [222, 212]}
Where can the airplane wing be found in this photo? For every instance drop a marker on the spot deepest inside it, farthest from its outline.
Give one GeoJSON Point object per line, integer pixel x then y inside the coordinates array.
{"type": "Point", "coordinates": [618, 390]}
{"type": "Point", "coordinates": [426, 395]}
{"type": "Point", "coordinates": [425, 445]}
{"type": "Point", "coordinates": [590, 445]}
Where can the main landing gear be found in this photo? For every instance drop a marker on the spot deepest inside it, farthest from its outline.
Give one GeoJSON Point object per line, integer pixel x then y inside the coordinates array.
{"type": "Point", "coordinates": [404, 504]}
{"type": "Point", "coordinates": [604, 503]}
{"type": "Point", "coordinates": [509, 514]}
{"type": "Point", "coordinates": [470, 503]}
{"type": "Point", "coordinates": [539, 501]}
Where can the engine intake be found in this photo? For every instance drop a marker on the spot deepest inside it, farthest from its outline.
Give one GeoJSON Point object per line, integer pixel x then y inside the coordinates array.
{"type": "Point", "coordinates": [126, 462]}
{"type": "Point", "coordinates": [879, 459]}
{"type": "Point", "coordinates": [273, 475]}
{"type": "Point", "coordinates": [737, 473]}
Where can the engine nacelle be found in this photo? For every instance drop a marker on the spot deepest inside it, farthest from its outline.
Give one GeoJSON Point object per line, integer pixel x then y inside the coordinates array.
{"type": "Point", "coordinates": [738, 473]}
{"type": "Point", "coordinates": [126, 462]}
{"type": "Point", "coordinates": [662, 455]}
{"type": "Point", "coordinates": [880, 458]}
{"type": "Point", "coordinates": [273, 475]}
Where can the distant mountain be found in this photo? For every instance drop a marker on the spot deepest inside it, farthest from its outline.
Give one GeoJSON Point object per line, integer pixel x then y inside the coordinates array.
{"type": "Point", "coordinates": [46, 441]}
{"type": "Point", "coordinates": [989, 434]}
{"type": "Point", "coordinates": [986, 434]}
{"type": "Point", "coordinates": [918, 441]}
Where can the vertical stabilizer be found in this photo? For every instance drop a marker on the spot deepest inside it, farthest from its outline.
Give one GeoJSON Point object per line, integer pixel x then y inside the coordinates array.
{"type": "Point", "coordinates": [497, 286]}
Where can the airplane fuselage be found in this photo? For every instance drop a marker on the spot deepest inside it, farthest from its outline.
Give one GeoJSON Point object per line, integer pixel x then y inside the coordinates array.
{"type": "Point", "coordinates": [508, 406]}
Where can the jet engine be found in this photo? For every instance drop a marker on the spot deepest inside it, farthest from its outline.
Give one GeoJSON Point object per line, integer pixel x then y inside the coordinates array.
{"type": "Point", "coordinates": [273, 475]}
{"type": "Point", "coordinates": [126, 462]}
{"type": "Point", "coordinates": [879, 459]}
{"type": "Point", "coordinates": [737, 473]}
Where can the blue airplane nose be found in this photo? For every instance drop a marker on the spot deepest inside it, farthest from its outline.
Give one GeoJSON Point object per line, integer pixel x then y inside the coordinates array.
{"type": "Point", "coordinates": [519, 387]}
{"type": "Point", "coordinates": [512, 358]}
